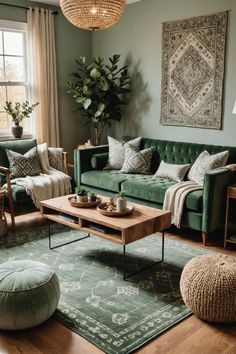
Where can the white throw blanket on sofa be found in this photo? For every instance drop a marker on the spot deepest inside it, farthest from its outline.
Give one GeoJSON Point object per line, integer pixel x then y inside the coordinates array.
{"type": "Point", "coordinates": [49, 184]}
{"type": "Point", "coordinates": [175, 198]}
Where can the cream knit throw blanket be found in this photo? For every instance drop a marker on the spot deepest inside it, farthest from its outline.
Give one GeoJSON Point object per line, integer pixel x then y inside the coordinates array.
{"type": "Point", "coordinates": [49, 184]}
{"type": "Point", "coordinates": [175, 198]}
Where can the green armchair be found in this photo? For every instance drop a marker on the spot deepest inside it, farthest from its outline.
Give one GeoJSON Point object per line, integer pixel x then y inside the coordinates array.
{"type": "Point", "coordinates": [16, 200]}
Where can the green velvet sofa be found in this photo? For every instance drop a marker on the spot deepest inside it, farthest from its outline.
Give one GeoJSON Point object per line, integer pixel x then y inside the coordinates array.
{"type": "Point", "coordinates": [204, 210]}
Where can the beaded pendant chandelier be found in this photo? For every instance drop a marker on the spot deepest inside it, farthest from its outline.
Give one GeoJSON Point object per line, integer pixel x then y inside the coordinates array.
{"type": "Point", "coordinates": [93, 14]}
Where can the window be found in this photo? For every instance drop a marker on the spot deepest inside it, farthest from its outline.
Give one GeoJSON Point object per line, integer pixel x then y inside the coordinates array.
{"type": "Point", "coordinates": [13, 72]}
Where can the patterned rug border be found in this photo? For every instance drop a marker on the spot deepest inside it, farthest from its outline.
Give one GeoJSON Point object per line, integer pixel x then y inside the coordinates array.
{"type": "Point", "coordinates": [56, 316]}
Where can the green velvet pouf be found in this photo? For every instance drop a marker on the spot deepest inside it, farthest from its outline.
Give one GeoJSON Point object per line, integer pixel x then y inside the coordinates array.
{"type": "Point", "coordinates": [29, 294]}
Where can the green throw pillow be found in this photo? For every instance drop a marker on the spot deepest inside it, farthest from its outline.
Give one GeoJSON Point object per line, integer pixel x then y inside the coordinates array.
{"type": "Point", "coordinates": [24, 165]}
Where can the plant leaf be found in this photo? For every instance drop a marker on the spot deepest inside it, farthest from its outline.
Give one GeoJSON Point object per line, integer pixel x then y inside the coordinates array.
{"type": "Point", "coordinates": [80, 100]}
{"type": "Point", "coordinates": [95, 74]}
{"type": "Point", "coordinates": [87, 103]}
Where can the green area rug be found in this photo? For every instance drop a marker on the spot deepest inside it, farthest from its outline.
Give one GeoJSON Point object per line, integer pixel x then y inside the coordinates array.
{"type": "Point", "coordinates": [115, 315]}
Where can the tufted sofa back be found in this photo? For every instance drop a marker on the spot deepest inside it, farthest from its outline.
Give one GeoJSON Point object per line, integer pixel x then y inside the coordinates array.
{"type": "Point", "coordinates": [180, 153]}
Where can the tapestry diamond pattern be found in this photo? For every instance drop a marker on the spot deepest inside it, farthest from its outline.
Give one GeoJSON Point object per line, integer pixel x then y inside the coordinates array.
{"type": "Point", "coordinates": [192, 71]}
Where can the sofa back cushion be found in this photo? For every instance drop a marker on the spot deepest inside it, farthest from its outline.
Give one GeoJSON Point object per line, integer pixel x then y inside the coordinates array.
{"type": "Point", "coordinates": [177, 152]}
{"type": "Point", "coordinates": [21, 146]}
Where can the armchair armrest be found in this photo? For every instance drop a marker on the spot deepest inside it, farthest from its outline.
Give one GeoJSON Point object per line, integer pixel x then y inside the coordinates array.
{"type": "Point", "coordinates": [65, 162]}
{"type": "Point", "coordinates": [99, 161]}
{"type": "Point", "coordinates": [214, 197]}
{"type": "Point", "coordinates": [82, 160]}
{"type": "Point", "coordinates": [6, 171]}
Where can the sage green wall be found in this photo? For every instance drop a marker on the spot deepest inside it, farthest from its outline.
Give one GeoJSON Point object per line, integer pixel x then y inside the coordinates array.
{"type": "Point", "coordinates": [138, 38]}
{"type": "Point", "coordinates": [71, 43]}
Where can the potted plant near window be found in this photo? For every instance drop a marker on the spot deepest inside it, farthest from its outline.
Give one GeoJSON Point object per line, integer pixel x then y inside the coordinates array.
{"type": "Point", "coordinates": [18, 112]}
{"type": "Point", "coordinates": [99, 89]}
{"type": "Point", "coordinates": [82, 194]}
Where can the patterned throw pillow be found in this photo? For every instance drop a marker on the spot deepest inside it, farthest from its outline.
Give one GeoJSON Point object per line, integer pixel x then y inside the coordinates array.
{"type": "Point", "coordinates": [172, 171]}
{"type": "Point", "coordinates": [116, 155]}
{"type": "Point", "coordinates": [24, 165]}
{"type": "Point", "coordinates": [137, 161]}
{"type": "Point", "coordinates": [55, 157]}
{"type": "Point", "coordinates": [206, 162]}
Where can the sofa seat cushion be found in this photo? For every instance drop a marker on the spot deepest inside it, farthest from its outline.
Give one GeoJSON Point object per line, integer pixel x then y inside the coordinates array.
{"type": "Point", "coordinates": [153, 189]}
{"type": "Point", "coordinates": [146, 187]}
{"type": "Point", "coordinates": [107, 179]}
{"type": "Point", "coordinates": [19, 194]}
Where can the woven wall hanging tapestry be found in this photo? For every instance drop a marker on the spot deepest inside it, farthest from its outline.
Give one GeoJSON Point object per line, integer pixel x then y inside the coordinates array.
{"type": "Point", "coordinates": [193, 52]}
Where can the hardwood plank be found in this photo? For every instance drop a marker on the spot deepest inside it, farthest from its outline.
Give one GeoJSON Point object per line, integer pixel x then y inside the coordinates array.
{"type": "Point", "coordinates": [218, 341]}
{"type": "Point", "coordinates": [190, 336]}
{"type": "Point", "coordinates": [193, 336]}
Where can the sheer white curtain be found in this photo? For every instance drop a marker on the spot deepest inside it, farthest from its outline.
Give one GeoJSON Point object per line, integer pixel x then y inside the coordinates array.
{"type": "Point", "coordinates": [43, 76]}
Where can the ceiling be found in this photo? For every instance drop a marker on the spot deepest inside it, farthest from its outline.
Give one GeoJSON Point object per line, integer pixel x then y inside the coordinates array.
{"type": "Point", "coordinates": [57, 2]}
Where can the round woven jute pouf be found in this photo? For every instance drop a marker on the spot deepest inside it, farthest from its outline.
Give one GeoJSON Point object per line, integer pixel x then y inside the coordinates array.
{"type": "Point", "coordinates": [29, 294]}
{"type": "Point", "coordinates": [208, 287]}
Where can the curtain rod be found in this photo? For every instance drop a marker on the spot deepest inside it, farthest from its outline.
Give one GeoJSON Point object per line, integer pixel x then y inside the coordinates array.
{"type": "Point", "coordinates": [23, 7]}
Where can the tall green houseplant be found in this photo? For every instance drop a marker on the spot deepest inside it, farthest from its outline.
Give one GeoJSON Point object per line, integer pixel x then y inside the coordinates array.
{"type": "Point", "coordinates": [99, 90]}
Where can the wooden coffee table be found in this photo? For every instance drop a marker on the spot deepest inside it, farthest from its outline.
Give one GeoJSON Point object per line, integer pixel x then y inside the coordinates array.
{"type": "Point", "coordinates": [143, 222]}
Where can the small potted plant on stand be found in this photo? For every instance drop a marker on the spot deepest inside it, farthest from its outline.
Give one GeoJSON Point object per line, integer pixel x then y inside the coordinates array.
{"type": "Point", "coordinates": [121, 201]}
{"type": "Point", "coordinates": [18, 112]}
{"type": "Point", "coordinates": [81, 194]}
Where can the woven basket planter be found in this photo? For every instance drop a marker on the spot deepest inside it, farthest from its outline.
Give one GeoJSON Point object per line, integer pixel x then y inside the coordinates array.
{"type": "Point", "coordinates": [208, 287]}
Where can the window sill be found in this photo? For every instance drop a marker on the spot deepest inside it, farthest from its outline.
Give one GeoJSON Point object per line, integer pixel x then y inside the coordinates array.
{"type": "Point", "coordinates": [10, 137]}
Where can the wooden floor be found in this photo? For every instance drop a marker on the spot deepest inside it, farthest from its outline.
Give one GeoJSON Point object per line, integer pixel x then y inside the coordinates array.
{"type": "Point", "coordinates": [188, 337]}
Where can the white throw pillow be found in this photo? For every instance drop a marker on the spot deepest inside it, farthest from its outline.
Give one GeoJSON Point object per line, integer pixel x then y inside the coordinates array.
{"type": "Point", "coordinates": [137, 161]}
{"type": "Point", "coordinates": [116, 155]}
{"type": "Point", "coordinates": [172, 171]}
{"type": "Point", "coordinates": [206, 162]}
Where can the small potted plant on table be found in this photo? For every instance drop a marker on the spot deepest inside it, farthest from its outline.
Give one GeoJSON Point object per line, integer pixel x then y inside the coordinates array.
{"type": "Point", "coordinates": [92, 197]}
{"type": "Point", "coordinates": [121, 201]}
{"type": "Point", "coordinates": [81, 194]}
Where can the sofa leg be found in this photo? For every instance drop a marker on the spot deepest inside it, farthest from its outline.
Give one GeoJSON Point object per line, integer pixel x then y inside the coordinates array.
{"type": "Point", "coordinates": [204, 238]}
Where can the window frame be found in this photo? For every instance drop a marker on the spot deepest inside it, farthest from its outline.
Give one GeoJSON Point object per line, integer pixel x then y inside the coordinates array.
{"type": "Point", "coordinates": [21, 27]}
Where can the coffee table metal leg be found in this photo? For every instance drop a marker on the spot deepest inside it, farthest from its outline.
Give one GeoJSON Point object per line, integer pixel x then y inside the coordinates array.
{"type": "Point", "coordinates": [150, 265]}
{"type": "Point", "coordinates": [124, 262]}
{"type": "Point", "coordinates": [163, 246]}
{"type": "Point", "coordinates": [62, 244]}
